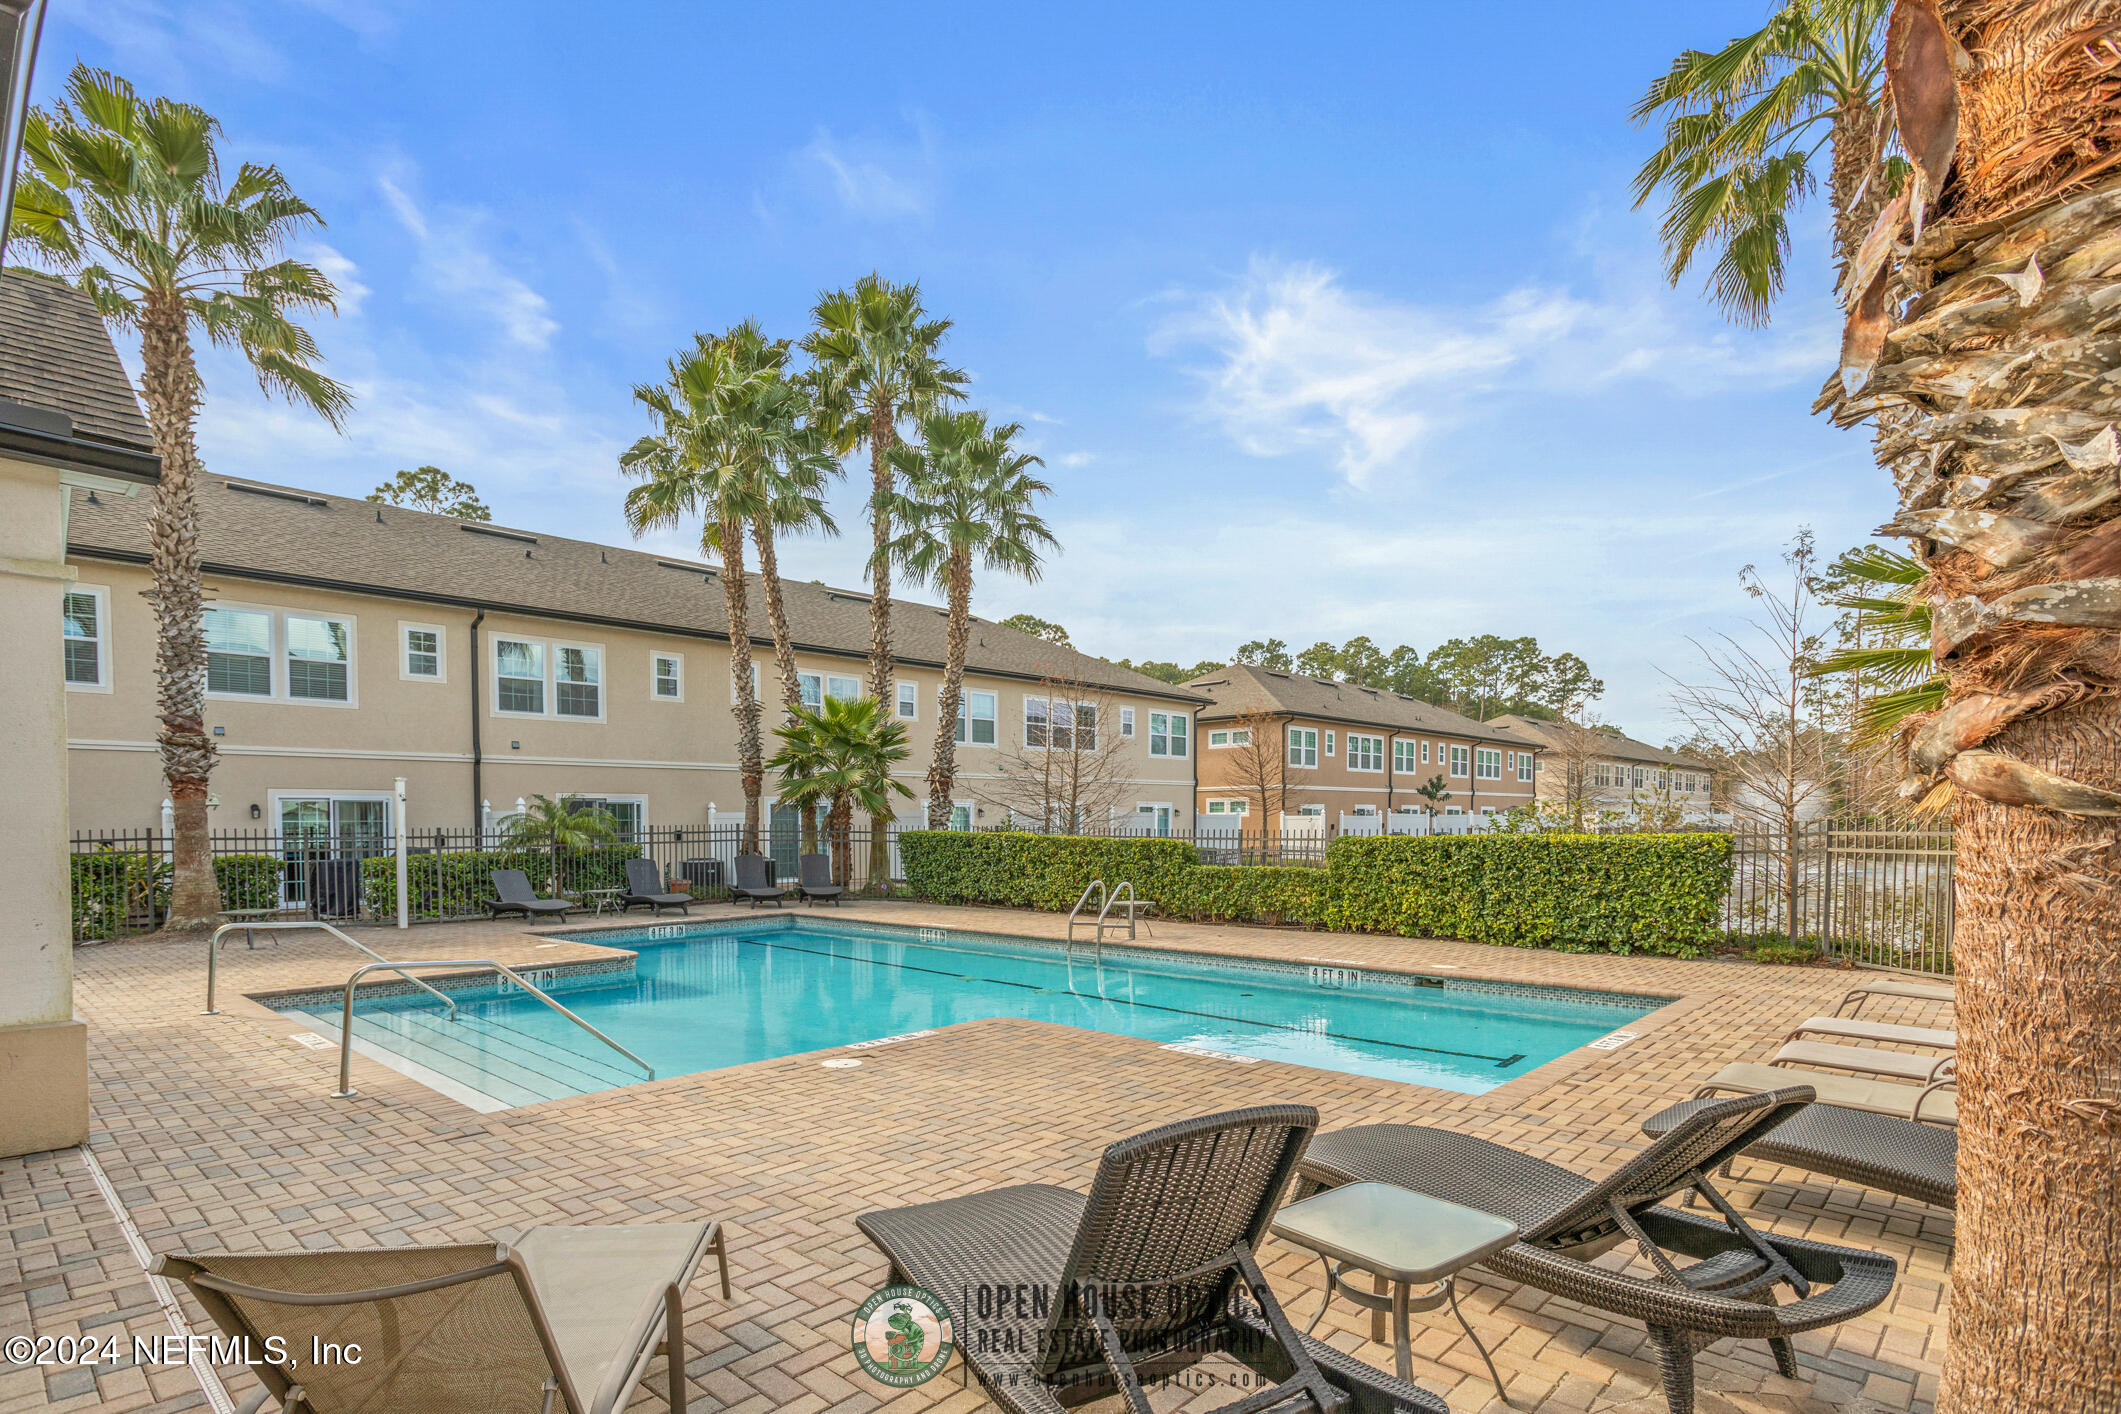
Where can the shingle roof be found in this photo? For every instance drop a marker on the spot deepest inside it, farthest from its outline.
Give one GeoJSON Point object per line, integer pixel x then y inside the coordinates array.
{"type": "Point", "coordinates": [1620, 748]}
{"type": "Point", "coordinates": [56, 354]}
{"type": "Point", "coordinates": [261, 531]}
{"type": "Point", "coordinates": [1240, 689]}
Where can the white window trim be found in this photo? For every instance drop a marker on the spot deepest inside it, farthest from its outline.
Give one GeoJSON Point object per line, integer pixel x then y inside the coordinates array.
{"type": "Point", "coordinates": [623, 796]}
{"type": "Point", "coordinates": [1074, 707]}
{"type": "Point", "coordinates": [1456, 774]}
{"type": "Point", "coordinates": [1290, 749]}
{"type": "Point", "coordinates": [654, 656]}
{"type": "Point", "coordinates": [276, 660]}
{"type": "Point", "coordinates": [1126, 724]}
{"type": "Point", "coordinates": [900, 692]}
{"type": "Point", "coordinates": [1169, 736]}
{"type": "Point", "coordinates": [1329, 743]}
{"type": "Point", "coordinates": [101, 594]}
{"type": "Point", "coordinates": [1229, 737]}
{"type": "Point", "coordinates": [1379, 768]}
{"type": "Point", "coordinates": [441, 673]}
{"type": "Point", "coordinates": [1487, 756]}
{"type": "Point", "coordinates": [1525, 766]}
{"type": "Point", "coordinates": [964, 711]}
{"type": "Point", "coordinates": [1232, 805]}
{"type": "Point", "coordinates": [552, 647]}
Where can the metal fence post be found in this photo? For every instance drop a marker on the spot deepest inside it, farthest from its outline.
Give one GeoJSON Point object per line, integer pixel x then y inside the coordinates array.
{"type": "Point", "coordinates": [1826, 900]}
{"type": "Point", "coordinates": [397, 792]}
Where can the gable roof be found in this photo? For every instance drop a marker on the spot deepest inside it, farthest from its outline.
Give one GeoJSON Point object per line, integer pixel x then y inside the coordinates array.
{"type": "Point", "coordinates": [1619, 748]}
{"type": "Point", "coordinates": [260, 531]}
{"type": "Point", "coordinates": [1240, 688]}
{"type": "Point", "coordinates": [56, 354]}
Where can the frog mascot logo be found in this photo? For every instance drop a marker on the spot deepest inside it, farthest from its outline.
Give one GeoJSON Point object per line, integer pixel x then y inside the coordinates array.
{"type": "Point", "coordinates": [902, 1336]}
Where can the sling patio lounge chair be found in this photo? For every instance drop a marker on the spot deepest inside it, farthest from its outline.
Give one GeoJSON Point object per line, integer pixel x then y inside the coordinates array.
{"type": "Point", "coordinates": [1884, 1033]}
{"type": "Point", "coordinates": [1934, 1103]}
{"type": "Point", "coordinates": [1867, 1060]}
{"type": "Point", "coordinates": [1885, 1152]}
{"type": "Point", "coordinates": [813, 872]}
{"type": "Point", "coordinates": [512, 894]}
{"type": "Point", "coordinates": [752, 881]}
{"type": "Point", "coordinates": [1729, 1290]}
{"type": "Point", "coordinates": [567, 1318]}
{"type": "Point", "coordinates": [1853, 999]}
{"type": "Point", "coordinates": [644, 885]}
{"type": "Point", "coordinates": [1139, 1279]}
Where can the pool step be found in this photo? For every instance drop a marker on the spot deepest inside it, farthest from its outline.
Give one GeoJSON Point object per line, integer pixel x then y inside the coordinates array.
{"type": "Point", "coordinates": [497, 1060]}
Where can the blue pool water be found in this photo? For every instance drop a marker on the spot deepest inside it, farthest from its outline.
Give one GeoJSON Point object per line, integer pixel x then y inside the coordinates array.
{"type": "Point", "coordinates": [704, 996]}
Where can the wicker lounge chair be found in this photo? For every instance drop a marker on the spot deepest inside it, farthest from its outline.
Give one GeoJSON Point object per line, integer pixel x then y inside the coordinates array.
{"type": "Point", "coordinates": [1167, 1237]}
{"type": "Point", "coordinates": [1934, 1103]}
{"type": "Point", "coordinates": [566, 1318]}
{"type": "Point", "coordinates": [1878, 1151]}
{"type": "Point", "coordinates": [513, 894]}
{"type": "Point", "coordinates": [813, 873]}
{"type": "Point", "coordinates": [1852, 1000]}
{"type": "Point", "coordinates": [1729, 1291]}
{"type": "Point", "coordinates": [752, 881]}
{"type": "Point", "coordinates": [644, 885]}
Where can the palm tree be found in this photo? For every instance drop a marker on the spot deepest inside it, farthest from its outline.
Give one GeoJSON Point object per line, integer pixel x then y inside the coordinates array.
{"type": "Point", "coordinates": [558, 826]}
{"type": "Point", "coordinates": [877, 360]}
{"type": "Point", "coordinates": [123, 195]}
{"type": "Point", "coordinates": [841, 757]}
{"type": "Point", "coordinates": [1885, 594]}
{"type": "Point", "coordinates": [1741, 128]}
{"type": "Point", "coordinates": [968, 498]}
{"type": "Point", "coordinates": [714, 420]}
{"type": "Point", "coordinates": [794, 465]}
{"type": "Point", "coordinates": [2001, 383]}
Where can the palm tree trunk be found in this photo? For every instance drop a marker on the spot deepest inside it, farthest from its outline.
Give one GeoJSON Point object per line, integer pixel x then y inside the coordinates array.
{"type": "Point", "coordinates": [750, 750]}
{"type": "Point", "coordinates": [2003, 373]}
{"type": "Point", "coordinates": [883, 436]}
{"type": "Point", "coordinates": [169, 383]}
{"type": "Point", "coordinates": [1855, 188]}
{"type": "Point", "coordinates": [777, 614]}
{"type": "Point", "coordinates": [942, 770]}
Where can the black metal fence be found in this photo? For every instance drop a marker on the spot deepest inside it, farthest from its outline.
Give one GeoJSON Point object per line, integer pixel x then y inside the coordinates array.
{"type": "Point", "coordinates": [1876, 894]}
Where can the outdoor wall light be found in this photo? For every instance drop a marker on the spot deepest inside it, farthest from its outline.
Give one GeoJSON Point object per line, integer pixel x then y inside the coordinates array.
{"type": "Point", "coordinates": [220, 731]}
{"type": "Point", "coordinates": [515, 746]}
{"type": "Point", "coordinates": [255, 812]}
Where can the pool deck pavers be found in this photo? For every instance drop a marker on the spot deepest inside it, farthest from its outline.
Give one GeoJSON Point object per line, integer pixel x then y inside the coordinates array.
{"type": "Point", "coordinates": [219, 1131]}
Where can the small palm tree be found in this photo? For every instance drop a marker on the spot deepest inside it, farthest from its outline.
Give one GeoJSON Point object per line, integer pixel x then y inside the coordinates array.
{"type": "Point", "coordinates": [1742, 126]}
{"type": "Point", "coordinates": [877, 359]}
{"type": "Point", "coordinates": [557, 827]}
{"type": "Point", "coordinates": [124, 196]}
{"type": "Point", "coordinates": [968, 498]}
{"type": "Point", "coordinates": [1887, 598]}
{"type": "Point", "coordinates": [840, 756]}
{"type": "Point", "coordinates": [714, 424]}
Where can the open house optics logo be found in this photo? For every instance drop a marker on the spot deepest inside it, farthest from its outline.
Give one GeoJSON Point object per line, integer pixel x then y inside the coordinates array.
{"type": "Point", "coordinates": [902, 1336]}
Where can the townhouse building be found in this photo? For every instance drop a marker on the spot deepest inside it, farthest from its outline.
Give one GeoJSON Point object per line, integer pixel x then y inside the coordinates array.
{"type": "Point", "coordinates": [1337, 748]}
{"type": "Point", "coordinates": [1611, 771]}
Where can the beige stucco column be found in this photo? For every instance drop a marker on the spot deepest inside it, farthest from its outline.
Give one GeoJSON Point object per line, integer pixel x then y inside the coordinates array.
{"type": "Point", "coordinates": [43, 1048]}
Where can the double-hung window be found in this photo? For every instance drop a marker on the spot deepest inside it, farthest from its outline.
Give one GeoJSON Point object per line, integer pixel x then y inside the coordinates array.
{"type": "Point", "coordinates": [909, 700]}
{"type": "Point", "coordinates": [319, 658]}
{"type": "Point", "coordinates": [1524, 765]}
{"type": "Point", "coordinates": [1424, 753]}
{"type": "Point", "coordinates": [1037, 722]}
{"type": "Point", "coordinates": [1601, 773]}
{"type": "Point", "coordinates": [1458, 760]}
{"type": "Point", "coordinates": [1639, 774]}
{"type": "Point", "coordinates": [519, 676]}
{"type": "Point", "coordinates": [1365, 753]}
{"type": "Point", "coordinates": [1126, 723]}
{"type": "Point", "coordinates": [668, 682]}
{"type": "Point", "coordinates": [84, 622]}
{"type": "Point", "coordinates": [1664, 780]}
{"type": "Point", "coordinates": [422, 648]}
{"type": "Point", "coordinates": [816, 687]}
{"type": "Point", "coordinates": [238, 651]}
{"type": "Point", "coordinates": [1403, 757]}
{"type": "Point", "coordinates": [1488, 763]}
{"type": "Point", "coordinates": [976, 715]}
{"type": "Point", "coordinates": [1303, 746]}
{"type": "Point", "coordinates": [1167, 733]}
{"type": "Point", "coordinates": [577, 675]}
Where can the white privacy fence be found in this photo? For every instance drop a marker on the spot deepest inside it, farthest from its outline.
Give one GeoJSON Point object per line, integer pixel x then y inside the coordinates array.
{"type": "Point", "coordinates": [1410, 822]}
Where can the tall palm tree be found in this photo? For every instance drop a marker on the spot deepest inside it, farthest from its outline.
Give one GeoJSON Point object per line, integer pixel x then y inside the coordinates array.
{"type": "Point", "coordinates": [968, 498]}
{"type": "Point", "coordinates": [841, 757]}
{"type": "Point", "coordinates": [877, 359]}
{"type": "Point", "coordinates": [1987, 333]}
{"type": "Point", "coordinates": [124, 196]}
{"type": "Point", "coordinates": [714, 421]}
{"type": "Point", "coordinates": [794, 465]}
{"type": "Point", "coordinates": [1742, 127]}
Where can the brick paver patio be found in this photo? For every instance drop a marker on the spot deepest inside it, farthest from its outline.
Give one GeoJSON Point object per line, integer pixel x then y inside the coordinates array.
{"type": "Point", "coordinates": [218, 1131]}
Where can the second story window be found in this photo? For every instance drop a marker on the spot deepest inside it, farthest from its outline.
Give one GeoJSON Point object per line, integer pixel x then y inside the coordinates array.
{"type": "Point", "coordinates": [238, 651]}
{"type": "Point", "coordinates": [1365, 753]}
{"type": "Point", "coordinates": [908, 700]}
{"type": "Point", "coordinates": [1458, 760]}
{"type": "Point", "coordinates": [1488, 763]}
{"type": "Point", "coordinates": [1303, 746]}
{"type": "Point", "coordinates": [669, 683]}
{"type": "Point", "coordinates": [976, 714]}
{"type": "Point", "coordinates": [82, 622]}
{"type": "Point", "coordinates": [1601, 773]}
{"type": "Point", "coordinates": [1524, 765]}
{"type": "Point", "coordinates": [1403, 756]}
{"type": "Point", "coordinates": [519, 676]}
{"type": "Point", "coordinates": [1167, 733]}
{"type": "Point", "coordinates": [423, 652]}
{"type": "Point", "coordinates": [319, 658]}
{"type": "Point", "coordinates": [1639, 774]}
{"type": "Point", "coordinates": [1126, 723]}
{"type": "Point", "coordinates": [577, 674]}
{"type": "Point", "coordinates": [816, 687]}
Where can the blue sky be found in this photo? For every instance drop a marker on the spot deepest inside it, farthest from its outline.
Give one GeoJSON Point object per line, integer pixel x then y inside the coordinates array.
{"type": "Point", "coordinates": [1325, 323]}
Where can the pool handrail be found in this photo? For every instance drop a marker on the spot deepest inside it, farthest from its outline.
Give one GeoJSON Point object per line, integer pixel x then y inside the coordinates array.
{"type": "Point", "coordinates": [346, 1090]}
{"type": "Point", "coordinates": [213, 955]}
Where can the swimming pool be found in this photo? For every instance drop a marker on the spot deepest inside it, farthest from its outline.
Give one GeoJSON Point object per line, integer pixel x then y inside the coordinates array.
{"type": "Point", "coordinates": [703, 996]}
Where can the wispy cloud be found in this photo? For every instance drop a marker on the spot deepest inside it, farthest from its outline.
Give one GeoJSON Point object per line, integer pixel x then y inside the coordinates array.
{"type": "Point", "coordinates": [877, 179]}
{"type": "Point", "coordinates": [1289, 357]}
{"type": "Point", "coordinates": [461, 272]}
{"type": "Point", "coordinates": [171, 41]}
{"type": "Point", "coordinates": [344, 275]}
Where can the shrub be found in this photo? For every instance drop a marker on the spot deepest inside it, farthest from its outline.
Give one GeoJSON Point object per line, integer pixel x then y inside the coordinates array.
{"type": "Point", "coordinates": [115, 890]}
{"type": "Point", "coordinates": [1231, 893]}
{"type": "Point", "coordinates": [1035, 871]}
{"type": "Point", "coordinates": [1657, 893]}
{"type": "Point", "coordinates": [454, 883]}
{"type": "Point", "coordinates": [1784, 953]}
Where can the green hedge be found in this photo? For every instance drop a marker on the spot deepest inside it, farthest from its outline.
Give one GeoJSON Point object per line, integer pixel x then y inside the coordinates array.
{"type": "Point", "coordinates": [455, 883]}
{"type": "Point", "coordinates": [116, 890]}
{"type": "Point", "coordinates": [1621, 893]}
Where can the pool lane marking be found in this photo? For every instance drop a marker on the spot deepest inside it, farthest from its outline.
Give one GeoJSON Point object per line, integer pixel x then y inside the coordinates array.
{"type": "Point", "coordinates": [1152, 1006]}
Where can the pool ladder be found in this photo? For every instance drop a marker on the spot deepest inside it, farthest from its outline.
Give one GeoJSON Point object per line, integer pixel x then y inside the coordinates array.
{"type": "Point", "coordinates": [1122, 897]}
